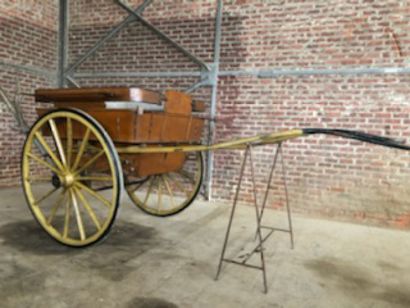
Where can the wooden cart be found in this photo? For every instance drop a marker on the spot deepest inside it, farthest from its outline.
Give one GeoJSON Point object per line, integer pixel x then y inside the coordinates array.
{"type": "Point", "coordinates": [73, 171]}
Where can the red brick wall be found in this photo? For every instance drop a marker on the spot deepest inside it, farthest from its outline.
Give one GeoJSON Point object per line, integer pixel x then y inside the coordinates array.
{"type": "Point", "coordinates": [27, 38]}
{"type": "Point", "coordinates": [327, 176]}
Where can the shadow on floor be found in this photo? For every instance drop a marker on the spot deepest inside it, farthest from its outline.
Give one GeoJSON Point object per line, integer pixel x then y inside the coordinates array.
{"type": "Point", "coordinates": [150, 302]}
{"type": "Point", "coordinates": [357, 282]}
{"type": "Point", "coordinates": [27, 236]}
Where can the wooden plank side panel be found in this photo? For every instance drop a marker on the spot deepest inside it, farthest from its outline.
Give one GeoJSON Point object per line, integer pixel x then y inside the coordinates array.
{"type": "Point", "coordinates": [156, 127]}
{"type": "Point", "coordinates": [143, 127]}
{"type": "Point", "coordinates": [150, 164]}
{"type": "Point", "coordinates": [119, 124]}
{"type": "Point", "coordinates": [174, 128]}
{"type": "Point", "coordinates": [178, 102]}
{"type": "Point", "coordinates": [126, 126]}
{"type": "Point", "coordinates": [168, 128]}
{"type": "Point", "coordinates": [195, 132]}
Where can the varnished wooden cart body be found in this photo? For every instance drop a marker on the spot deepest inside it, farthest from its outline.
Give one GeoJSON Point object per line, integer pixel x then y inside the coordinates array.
{"type": "Point", "coordinates": [173, 124]}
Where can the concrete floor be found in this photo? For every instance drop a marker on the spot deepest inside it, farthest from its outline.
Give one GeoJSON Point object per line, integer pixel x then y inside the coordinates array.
{"type": "Point", "coordinates": [171, 262]}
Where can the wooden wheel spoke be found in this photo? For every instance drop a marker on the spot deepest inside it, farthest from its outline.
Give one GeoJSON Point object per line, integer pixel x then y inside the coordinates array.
{"type": "Point", "coordinates": [175, 188]}
{"type": "Point", "coordinates": [159, 203]}
{"type": "Point", "coordinates": [151, 182]}
{"type": "Point", "coordinates": [44, 163]}
{"type": "Point", "coordinates": [80, 224]}
{"type": "Point", "coordinates": [82, 148]}
{"type": "Point", "coordinates": [34, 179]}
{"type": "Point", "coordinates": [89, 162]}
{"type": "Point", "coordinates": [179, 185]}
{"type": "Point", "coordinates": [58, 142]}
{"type": "Point", "coordinates": [56, 206]}
{"type": "Point", "coordinates": [132, 190]}
{"type": "Point", "coordinates": [50, 152]}
{"type": "Point", "coordinates": [164, 179]}
{"type": "Point", "coordinates": [93, 148]}
{"type": "Point", "coordinates": [88, 207]}
{"type": "Point", "coordinates": [94, 178]}
{"type": "Point", "coordinates": [94, 194]}
{"type": "Point", "coordinates": [48, 194]}
{"type": "Point", "coordinates": [67, 218]}
{"type": "Point", "coordinates": [69, 141]}
{"type": "Point", "coordinates": [187, 175]}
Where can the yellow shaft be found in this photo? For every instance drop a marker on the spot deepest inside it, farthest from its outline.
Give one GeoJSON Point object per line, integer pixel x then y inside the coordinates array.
{"type": "Point", "coordinates": [234, 144]}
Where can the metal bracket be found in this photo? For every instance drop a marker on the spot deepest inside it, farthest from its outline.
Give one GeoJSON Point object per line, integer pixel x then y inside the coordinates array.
{"type": "Point", "coordinates": [210, 78]}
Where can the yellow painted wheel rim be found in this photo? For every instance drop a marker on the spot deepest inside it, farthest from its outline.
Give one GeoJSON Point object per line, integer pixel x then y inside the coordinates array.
{"type": "Point", "coordinates": [61, 184]}
{"type": "Point", "coordinates": [169, 193]}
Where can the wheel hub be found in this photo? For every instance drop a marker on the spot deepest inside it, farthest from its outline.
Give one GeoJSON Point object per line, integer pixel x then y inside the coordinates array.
{"type": "Point", "coordinates": [68, 180]}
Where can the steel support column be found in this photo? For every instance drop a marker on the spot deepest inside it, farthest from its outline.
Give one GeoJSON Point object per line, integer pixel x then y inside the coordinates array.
{"type": "Point", "coordinates": [214, 96]}
{"type": "Point", "coordinates": [62, 42]}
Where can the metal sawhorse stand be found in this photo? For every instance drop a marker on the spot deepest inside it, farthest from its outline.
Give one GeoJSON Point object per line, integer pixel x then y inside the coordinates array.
{"type": "Point", "coordinates": [259, 215]}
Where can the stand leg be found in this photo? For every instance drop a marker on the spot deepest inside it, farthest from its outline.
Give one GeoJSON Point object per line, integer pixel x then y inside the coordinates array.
{"type": "Point", "coordinates": [269, 183]}
{"type": "Point", "coordinates": [265, 198]}
{"type": "Point", "coordinates": [287, 199]}
{"type": "Point", "coordinates": [259, 214]}
{"type": "Point", "coordinates": [232, 214]}
{"type": "Point", "coordinates": [258, 222]}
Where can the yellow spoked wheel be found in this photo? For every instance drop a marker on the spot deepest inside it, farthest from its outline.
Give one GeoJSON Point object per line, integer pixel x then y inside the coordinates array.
{"type": "Point", "coordinates": [72, 177]}
{"type": "Point", "coordinates": [169, 193]}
